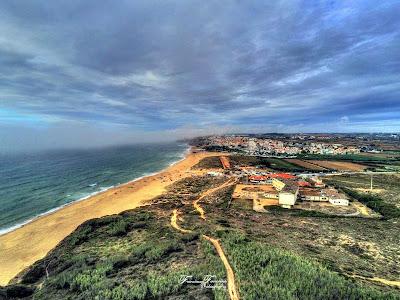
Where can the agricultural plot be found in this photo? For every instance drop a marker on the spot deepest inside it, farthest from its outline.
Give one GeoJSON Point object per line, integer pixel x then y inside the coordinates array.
{"type": "Point", "coordinates": [306, 164]}
{"type": "Point", "coordinates": [282, 165]}
{"type": "Point", "coordinates": [386, 161]}
{"type": "Point", "coordinates": [211, 162]}
{"type": "Point", "coordinates": [339, 165]}
{"type": "Point", "coordinates": [274, 164]}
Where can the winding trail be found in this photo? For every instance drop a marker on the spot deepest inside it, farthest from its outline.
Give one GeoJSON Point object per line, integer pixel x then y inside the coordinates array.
{"type": "Point", "coordinates": [208, 192]}
{"type": "Point", "coordinates": [232, 290]}
{"type": "Point", "coordinates": [377, 279]}
{"type": "Point", "coordinates": [174, 223]}
{"type": "Point", "coordinates": [233, 294]}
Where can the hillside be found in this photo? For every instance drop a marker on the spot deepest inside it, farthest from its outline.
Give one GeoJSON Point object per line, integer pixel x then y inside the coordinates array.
{"type": "Point", "coordinates": [277, 255]}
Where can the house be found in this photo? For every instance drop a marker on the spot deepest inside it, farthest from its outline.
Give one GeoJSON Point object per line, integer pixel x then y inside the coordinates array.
{"type": "Point", "coordinates": [313, 195]}
{"type": "Point", "coordinates": [336, 198]}
{"type": "Point", "coordinates": [324, 195]}
{"type": "Point", "coordinates": [288, 191]}
{"type": "Point", "coordinates": [278, 184]}
{"type": "Point", "coordinates": [261, 179]}
{"type": "Point", "coordinates": [288, 194]}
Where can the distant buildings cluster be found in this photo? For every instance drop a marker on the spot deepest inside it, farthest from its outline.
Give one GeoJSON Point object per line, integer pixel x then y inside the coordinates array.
{"type": "Point", "coordinates": [267, 146]}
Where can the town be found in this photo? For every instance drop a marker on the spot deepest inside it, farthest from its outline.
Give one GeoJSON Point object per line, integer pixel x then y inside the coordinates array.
{"type": "Point", "coordinates": [288, 145]}
{"type": "Point", "coordinates": [295, 171]}
{"type": "Point", "coordinates": [264, 187]}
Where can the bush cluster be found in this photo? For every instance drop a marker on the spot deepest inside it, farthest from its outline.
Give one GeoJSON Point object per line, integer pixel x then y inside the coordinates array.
{"type": "Point", "coordinates": [387, 210]}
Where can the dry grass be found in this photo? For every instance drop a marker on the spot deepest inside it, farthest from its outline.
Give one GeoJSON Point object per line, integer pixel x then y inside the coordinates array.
{"type": "Point", "coordinates": [339, 165]}
{"type": "Point", "coordinates": [305, 164]}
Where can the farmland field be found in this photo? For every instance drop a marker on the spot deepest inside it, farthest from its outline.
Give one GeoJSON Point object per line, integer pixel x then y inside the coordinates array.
{"type": "Point", "coordinates": [212, 162]}
{"type": "Point", "coordinates": [306, 164]}
{"type": "Point", "coordinates": [339, 165]}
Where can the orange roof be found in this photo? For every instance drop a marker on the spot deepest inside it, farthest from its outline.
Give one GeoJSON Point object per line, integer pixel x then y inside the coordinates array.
{"type": "Point", "coordinates": [303, 183]}
{"type": "Point", "coordinates": [282, 176]}
{"type": "Point", "coordinates": [258, 177]}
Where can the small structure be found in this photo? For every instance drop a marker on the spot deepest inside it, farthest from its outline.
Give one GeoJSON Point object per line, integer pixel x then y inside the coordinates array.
{"type": "Point", "coordinates": [259, 179]}
{"type": "Point", "coordinates": [317, 182]}
{"type": "Point", "coordinates": [336, 198]}
{"type": "Point", "coordinates": [313, 195]}
{"type": "Point", "coordinates": [225, 162]}
{"type": "Point", "coordinates": [288, 191]}
{"type": "Point", "coordinates": [330, 195]}
{"type": "Point", "coordinates": [288, 194]}
{"type": "Point", "coordinates": [339, 201]}
{"type": "Point", "coordinates": [214, 174]}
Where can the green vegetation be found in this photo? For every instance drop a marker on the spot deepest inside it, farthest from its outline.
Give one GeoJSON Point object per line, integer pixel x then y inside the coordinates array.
{"type": "Point", "coordinates": [212, 162]}
{"type": "Point", "coordinates": [282, 165]}
{"type": "Point", "coordinates": [282, 254]}
{"type": "Point", "coordinates": [375, 162]}
{"type": "Point", "coordinates": [278, 210]}
{"type": "Point", "coordinates": [385, 186]}
{"type": "Point", "coordinates": [345, 157]}
{"type": "Point", "coordinates": [265, 162]}
{"type": "Point", "coordinates": [134, 255]}
{"type": "Point", "coordinates": [265, 272]}
{"type": "Point", "coordinates": [388, 211]}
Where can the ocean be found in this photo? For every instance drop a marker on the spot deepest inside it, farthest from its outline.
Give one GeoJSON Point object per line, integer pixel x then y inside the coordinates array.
{"type": "Point", "coordinates": [35, 184]}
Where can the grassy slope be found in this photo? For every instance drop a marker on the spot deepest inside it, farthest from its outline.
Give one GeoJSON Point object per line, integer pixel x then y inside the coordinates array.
{"type": "Point", "coordinates": [137, 255]}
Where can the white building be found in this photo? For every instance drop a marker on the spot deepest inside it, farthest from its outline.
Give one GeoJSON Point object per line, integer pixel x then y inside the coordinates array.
{"type": "Point", "coordinates": [339, 201]}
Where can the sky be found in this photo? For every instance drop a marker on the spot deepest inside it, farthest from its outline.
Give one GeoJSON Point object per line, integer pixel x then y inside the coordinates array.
{"type": "Point", "coordinates": [78, 73]}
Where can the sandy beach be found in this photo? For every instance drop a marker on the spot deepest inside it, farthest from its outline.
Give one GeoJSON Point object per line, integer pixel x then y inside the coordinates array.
{"type": "Point", "coordinates": [22, 247]}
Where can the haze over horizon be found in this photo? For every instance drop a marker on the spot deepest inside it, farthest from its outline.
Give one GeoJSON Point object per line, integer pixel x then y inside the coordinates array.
{"type": "Point", "coordinates": [106, 72]}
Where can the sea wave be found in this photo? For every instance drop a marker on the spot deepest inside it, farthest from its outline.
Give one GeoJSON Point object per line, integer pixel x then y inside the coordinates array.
{"type": "Point", "coordinates": [6, 230]}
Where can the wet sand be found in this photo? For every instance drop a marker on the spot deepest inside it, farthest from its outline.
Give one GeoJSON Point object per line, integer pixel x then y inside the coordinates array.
{"type": "Point", "coordinates": [22, 247]}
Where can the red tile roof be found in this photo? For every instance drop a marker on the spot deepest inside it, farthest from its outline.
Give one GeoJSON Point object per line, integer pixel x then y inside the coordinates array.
{"type": "Point", "coordinates": [282, 176]}
{"type": "Point", "coordinates": [258, 177]}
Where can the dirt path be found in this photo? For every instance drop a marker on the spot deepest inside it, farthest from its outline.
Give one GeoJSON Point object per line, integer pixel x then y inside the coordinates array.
{"type": "Point", "coordinates": [232, 290]}
{"type": "Point", "coordinates": [208, 192]}
{"type": "Point", "coordinates": [377, 279]}
{"type": "Point", "coordinates": [174, 223]}
{"type": "Point", "coordinates": [229, 272]}
{"type": "Point", "coordinates": [361, 208]}
{"type": "Point", "coordinates": [22, 247]}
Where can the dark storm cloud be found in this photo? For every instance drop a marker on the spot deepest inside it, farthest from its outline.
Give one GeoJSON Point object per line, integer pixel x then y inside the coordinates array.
{"type": "Point", "coordinates": [157, 65]}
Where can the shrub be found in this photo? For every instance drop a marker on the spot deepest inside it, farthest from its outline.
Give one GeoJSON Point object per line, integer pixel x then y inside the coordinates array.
{"type": "Point", "coordinates": [387, 210]}
{"type": "Point", "coordinates": [91, 278]}
{"type": "Point", "coordinates": [137, 290]}
{"type": "Point", "coordinates": [80, 236]}
{"type": "Point", "coordinates": [119, 228]}
{"type": "Point", "coordinates": [279, 274]}
{"type": "Point", "coordinates": [34, 274]}
{"type": "Point", "coordinates": [192, 236]}
{"type": "Point", "coordinates": [160, 250]}
{"type": "Point", "coordinates": [18, 291]}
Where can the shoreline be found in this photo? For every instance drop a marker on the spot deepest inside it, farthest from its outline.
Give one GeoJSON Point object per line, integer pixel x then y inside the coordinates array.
{"type": "Point", "coordinates": [12, 228]}
{"type": "Point", "coordinates": [21, 247]}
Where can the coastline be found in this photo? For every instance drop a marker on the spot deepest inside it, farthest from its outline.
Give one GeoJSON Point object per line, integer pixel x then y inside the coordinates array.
{"type": "Point", "coordinates": [55, 209]}
{"type": "Point", "coordinates": [23, 246]}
